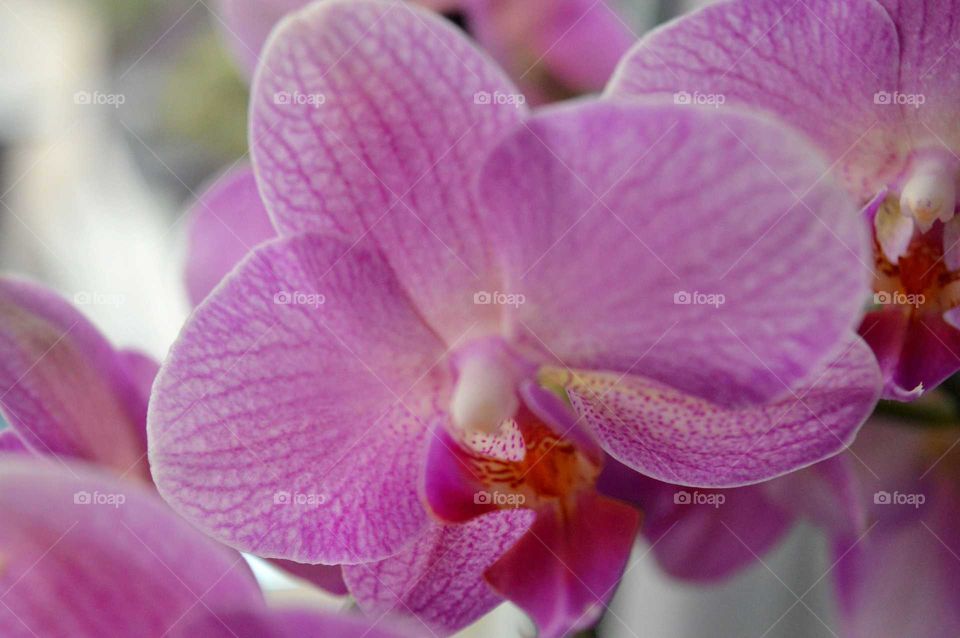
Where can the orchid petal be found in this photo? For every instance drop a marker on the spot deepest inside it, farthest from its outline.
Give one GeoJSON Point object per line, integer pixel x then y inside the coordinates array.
{"type": "Point", "coordinates": [640, 251]}
{"type": "Point", "coordinates": [63, 388]}
{"type": "Point", "coordinates": [827, 68]}
{"type": "Point", "coordinates": [678, 438]}
{"type": "Point", "coordinates": [580, 555]}
{"type": "Point", "coordinates": [290, 623]}
{"type": "Point", "coordinates": [439, 578]}
{"type": "Point", "coordinates": [290, 418]}
{"type": "Point", "coordinates": [109, 553]}
{"type": "Point", "coordinates": [373, 117]}
{"type": "Point", "coordinates": [226, 222]}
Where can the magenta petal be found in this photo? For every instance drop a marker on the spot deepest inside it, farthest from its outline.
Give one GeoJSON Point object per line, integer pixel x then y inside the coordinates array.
{"type": "Point", "coordinates": [327, 577]}
{"type": "Point", "coordinates": [817, 64]}
{"type": "Point", "coordinates": [450, 484]}
{"type": "Point", "coordinates": [579, 555]}
{"type": "Point", "coordinates": [290, 419]}
{"type": "Point", "coordinates": [291, 623]}
{"type": "Point", "coordinates": [226, 222]}
{"type": "Point", "coordinates": [374, 117]}
{"type": "Point", "coordinates": [439, 578]}
{"type": "Point", "coordinates": [86, 555]}
{"type": "Point", "coordinates": [916, 353]}
{"type": "Point", "coordinates": [636, 249]}
{"type": "Point", "coordinates": [681, 439]}
{"type": "Point", "coordinates": [64, 389]}
{"type": "Point", "coordinates": [700, 535]}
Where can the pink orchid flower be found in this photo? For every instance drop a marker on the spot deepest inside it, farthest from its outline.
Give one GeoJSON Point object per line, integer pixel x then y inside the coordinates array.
{"type": "Point", "coordinates": [875, 85]}
{"type": "Point", "coordinates": [468, 304]}
{"type": "Point", "coordinates": [85, 554]}
{"type": "Point", "coordinates": [552, 48]}
{"type": "Point", "coordinates": [69, 394]}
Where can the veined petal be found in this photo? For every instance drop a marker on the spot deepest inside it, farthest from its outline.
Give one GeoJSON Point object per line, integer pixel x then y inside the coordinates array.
{"type": "Point", "coordinates": [439, 577]}
{"type": "Point", "coordinates": [373, 117]}
{"type": "Point", "coordinates": [929, 69]}
{"type": "Point", "coordinates": [630, 245]}
{"type": "Point", "coordinates": [64, 389]}
{"type": "Point", "coordinates": [828, 68]}
{"type": "Point", "coordinates": [227, 221]}
{"type": "Point", "coordinates": [678, 438]}
{"type": "Point", "coordinates": [290, 418]}
{"type": "Point", "coordinates": [86, 555]}
{"type": "Point", "coordinates": [579, 552]}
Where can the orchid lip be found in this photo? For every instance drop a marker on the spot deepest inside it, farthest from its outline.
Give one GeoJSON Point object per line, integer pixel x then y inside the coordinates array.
{"type": "Point", "coordinates": [929, 193]}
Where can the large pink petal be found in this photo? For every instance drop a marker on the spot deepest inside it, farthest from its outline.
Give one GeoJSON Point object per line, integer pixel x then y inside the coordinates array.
{"type": "Point", "coordinates": [291, 623]}
{"type": "Point", "coordinates": [439, 578]}
{"type": "Point", "coordinates": [374, 117]}
{"type": "Point", "coordinates": [86, 555]}
{"type": "Point", "coordinates": [63, 388]}
{"type": "Point", "coordinates": [227, 221]}
{"type": "Point", "coordinates": [818, 64]}
{"type": "Point", "coordinates": [290, 418]}
{"type": "Point", "coordinates": [668, 242]}
{"type": "Point", "coordinates": [675, 437]}
{"type": "Point", "coordinates": [564, 570]}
